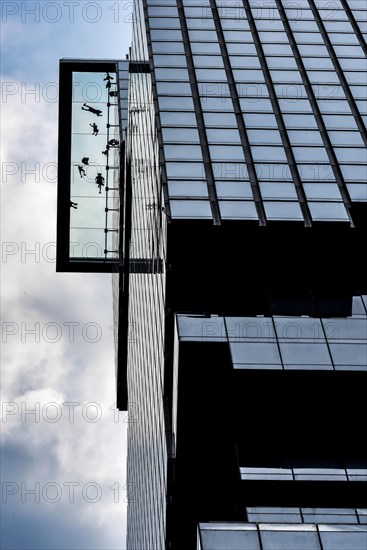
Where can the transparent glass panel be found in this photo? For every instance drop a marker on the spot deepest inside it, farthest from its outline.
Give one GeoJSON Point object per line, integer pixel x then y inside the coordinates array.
{"type": "Point", "coordinates": [349, 355]}
{"type": "Point", "coordinates": [349, 154]}
{"type": "Point", "coordinates": [269, 25]}
{"type": "Point", "coordinates": [256, 354]}
{"type": "Point", "coordinates": [256, 105]}
{"type": "Point", "coordinates": [178, 119]}
{"type": "Point", "coordinates": [226, 152]}
{"type": "Point", "coordinates": [237, 36]}
{"type": "Point", "coordinates": [328, 211]}
{"type": "Point", "coordinates": [171, 74]}
{"type": "Point", "coordinates": [346, 329]}
{"type": "Point", "coordinates": [260, 120]}
{"type": "Point", "coordinates": [281, 63]}
{"type": "Point", "coordinates": [264, 137]}
{"type": "Point", "coordinates": [250, 329]}
{"type": "Point", "coordinates": [92, 151]}
{"type": "Point", "coordinates": [300, 121]}
{"type": "Point", "coordinates": [278, 190]}
{"type": "Point", "coordinates": [313, 50]}
{"type": "Point", "coordinates": [297, 106]}
{"type": "Point", "coordinates": [241, 48]}
{"type": "Point", "coordinates": [358, 307]}
{"type": "Point", "coordinates": [180, 135]}
{"type": "Point", "coordinates": [190, 209]}
{"type": "Point", "coordinates": [340, 540]}
{"type": "Point", "coordinates": [286, 76]}
{"type": "Point", "coordinates": [273, 37]}
{"type": "Point", "coordinates": [208, 61]}
{"type": "Point", "coordinates": [185, 170]}
{"type": "Point", "coordinates": [164, 23]}
{"type": "Point", "coordinates": [165, 11]}
{"type": "Point", "coordinates": [303, 137]}
{"type": "Point", "coordinates": [253, 90]}
{"type": "Point", "coordinates": [233, 190]}
{"type": "Point", "coordinates": [298, 329]}
{"type": "Point", "coordinates": [322, 191]}
{"type": "Point", "coordinates": [357, 191]}
{"type": "Point", "coordinates": [308, 38]}
{"type": "Point", "coordinates": [174, 88]}
{"type": "Point", "coordinates": [248, 75]}
{"type": "Point", "coordinates": [323, 77]}
{"type": "Point", "coordinates": [205, 48]}
{"type": "Point", "coordinates": [166, 34]}
{"type": "Point", "coordinates": [203, 36]}
{"type": "Point", "coordinates": [283, 211]}
{"type": "Point", "coordinates": [233, 24]}
{"type": "Point", "coordinates": [182, 152]}
{"type": "Point", "coordinates": [344, 122]}
{"type": "Point", "coordinates": [211, 75]}
{"type": "Point", "coordinates": [307, 154]}
{"type": "Point", "coordinates": [230, 171]}
{"type": "Point", "coordinates": [312, 355]}
{"type": "Point", "coordinates": [187, 189]}
{"type": "Point", "coordinates": [216, 104]}
{"type": "Point", "coordinates": [354, 173]}
{"type": "Point", "coordinates": [359, 92]}
{"type": "Point", "coordinates": [223, 136]}
{"type": "Point", "coordinates": [244, 62]}
{"type": "Point", "coordinates": [220, 119]}
{"type": "Point", "coordinates": [235, 540]}
{"type": "Point", "coordinates": [318, 63]}
{"type": "Point", "coordinates": [277, 49]}
{"type": "Point", "coordinates": [177, 104]}
{"type": "Point", "coordinates": [346, 138]}
{"type": "Point", "coordinates": [266, 154]}
{"type": "Point", "coordinates": [289, 540]}
{"type": "Point", "coordinates": [169, 60]}
{"type": "Point", "coordinates": [238, 210]}
{"type": "Point", "coordinates": [161, 47]}
{"type": "Point", "coordinates": [200, 329]}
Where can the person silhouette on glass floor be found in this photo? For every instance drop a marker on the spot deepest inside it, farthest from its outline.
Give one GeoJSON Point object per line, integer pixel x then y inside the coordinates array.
{"type": "Point", "coordinates": [81, 171]}
{"type": "Point", "coordinates": [95, 128]}
{"type": "Point", "coordinates": [86, 107]}
{"type": "Point", "coordinates": [99, 181]}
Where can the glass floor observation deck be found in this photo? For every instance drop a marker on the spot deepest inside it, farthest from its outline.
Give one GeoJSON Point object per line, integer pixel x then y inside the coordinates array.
{"type": "Point", "coordinates": [92, 129]}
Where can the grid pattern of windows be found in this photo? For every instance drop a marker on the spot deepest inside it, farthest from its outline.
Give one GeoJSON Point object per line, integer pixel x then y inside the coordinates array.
{"type": "Point", "coordinates": [285, 536]}
{"type": "Point", "coordinates": [147, 452]}
{"type": "Point", "coordinates": [280, 91]}
{"type": "Point", "coordinates": [290, 343]}
{"type": "Point", "coordinates": [252, 111]}
{"type": "Point", "coordinates": [304, 474]}
{"type": "Point", "coordinates": [307, 515]}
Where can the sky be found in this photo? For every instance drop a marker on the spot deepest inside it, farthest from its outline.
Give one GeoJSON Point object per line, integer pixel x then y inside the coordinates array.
{"type": "Point", "coordinates": [63, 444]}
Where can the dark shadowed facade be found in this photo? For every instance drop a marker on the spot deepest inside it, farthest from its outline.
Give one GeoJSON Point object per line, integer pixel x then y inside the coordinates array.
{"type": "Point", "coordinates": [240, 289]}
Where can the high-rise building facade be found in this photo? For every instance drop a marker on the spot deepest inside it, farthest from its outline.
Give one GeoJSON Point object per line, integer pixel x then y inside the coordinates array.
{"type": "Point", "coordinates": [240, 283]}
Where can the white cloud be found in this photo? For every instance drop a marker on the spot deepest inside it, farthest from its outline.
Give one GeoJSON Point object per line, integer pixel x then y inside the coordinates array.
{"type": "Point", "coordinates": [35, 370]}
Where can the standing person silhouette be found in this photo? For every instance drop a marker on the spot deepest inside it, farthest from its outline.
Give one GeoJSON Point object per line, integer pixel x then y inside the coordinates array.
{"type": "Point", "coordinates": [99, 181]}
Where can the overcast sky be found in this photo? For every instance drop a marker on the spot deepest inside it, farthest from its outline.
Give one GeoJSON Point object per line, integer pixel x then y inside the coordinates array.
{"type": "Point", "coordinates": [63, 468]}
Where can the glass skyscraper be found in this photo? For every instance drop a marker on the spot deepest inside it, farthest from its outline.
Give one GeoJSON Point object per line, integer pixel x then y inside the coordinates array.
{"type": "Point", "coordinates": [239, 284]}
